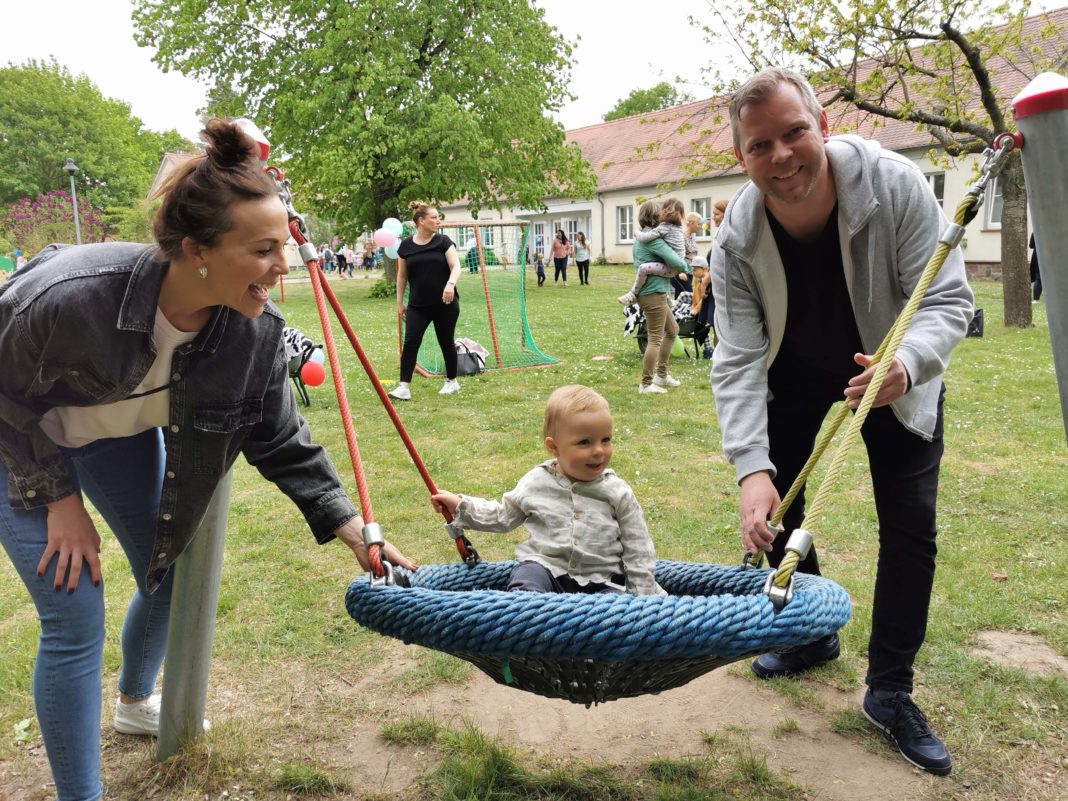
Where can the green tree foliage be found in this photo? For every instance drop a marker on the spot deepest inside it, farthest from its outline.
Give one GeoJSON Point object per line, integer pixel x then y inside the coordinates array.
{"type": "Point", "coordinates": [950, 67]}
{"type": "Point", "coordinates": [46, 115]}
{"type": "Point", "coordinates": [642, 101]}
{"type": "Point", "coordinates": [373, 103]}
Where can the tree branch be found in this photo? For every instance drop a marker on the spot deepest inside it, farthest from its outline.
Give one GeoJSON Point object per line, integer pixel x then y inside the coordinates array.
{"type": "Point", "coordinates": [982, 76]}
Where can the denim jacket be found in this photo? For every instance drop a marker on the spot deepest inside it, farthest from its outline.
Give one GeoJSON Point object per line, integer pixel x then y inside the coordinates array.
{"type": "Point", "coordinates": [76, 330]}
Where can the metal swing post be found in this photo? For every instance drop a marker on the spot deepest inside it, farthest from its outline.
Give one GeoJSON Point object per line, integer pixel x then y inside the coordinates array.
{"type": "Point", "coordinates": [1041, 114]}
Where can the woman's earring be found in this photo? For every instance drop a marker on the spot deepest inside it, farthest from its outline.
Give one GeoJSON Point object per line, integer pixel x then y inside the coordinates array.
{"type": "Point", "coordinates": [203, 272]}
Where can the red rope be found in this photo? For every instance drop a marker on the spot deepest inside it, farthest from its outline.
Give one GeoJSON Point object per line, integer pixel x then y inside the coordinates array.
{"type": "Point", "coordinates": [318, 282]}
{"type": "Point", "coordinates": [321, 288]}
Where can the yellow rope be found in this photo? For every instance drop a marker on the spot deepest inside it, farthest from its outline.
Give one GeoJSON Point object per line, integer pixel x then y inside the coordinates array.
{"type": "Point", "coordinates": [884, 358]}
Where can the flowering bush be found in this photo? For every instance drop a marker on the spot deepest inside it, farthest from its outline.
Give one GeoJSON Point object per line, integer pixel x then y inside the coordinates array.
{"type": "Point", "coordinates": [32, 224]}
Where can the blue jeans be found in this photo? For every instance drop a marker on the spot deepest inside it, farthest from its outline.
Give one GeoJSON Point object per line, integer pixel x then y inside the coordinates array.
{"type": "Point", "coordinates": [123, 479]}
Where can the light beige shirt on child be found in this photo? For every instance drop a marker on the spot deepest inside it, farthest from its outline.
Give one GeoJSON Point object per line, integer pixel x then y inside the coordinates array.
{"type": "Point", "coordinates": [586, 529]}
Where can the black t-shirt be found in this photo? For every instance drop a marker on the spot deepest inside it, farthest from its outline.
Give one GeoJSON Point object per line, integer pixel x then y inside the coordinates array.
{"type": "Point", "coordinates": [815, 359]}
{"type": "Point", "coordinates": [428, 272]}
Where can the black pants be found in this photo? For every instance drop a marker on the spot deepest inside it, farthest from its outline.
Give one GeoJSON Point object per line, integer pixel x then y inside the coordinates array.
{"type": "Point", "coordinates": [416, 320]}
{"type": "Point", "coordinates": [561, 269]}
{"type": "Point", "coordinates": [533, 577]}
{"type": "Point", "coordinates": [541, 277]}
{"type": "Point", "coordinates": [584, 271]}
{"type": "Point", "coordinates": [904, 472]}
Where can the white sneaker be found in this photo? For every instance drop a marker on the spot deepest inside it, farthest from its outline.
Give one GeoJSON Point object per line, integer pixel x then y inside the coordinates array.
{"type": "Point", "coordinates": [666, 381]}
{"type": "Point", "coordinates": [401, 392]}
{"type": "Point", "coordinates": [627, 299]}
{"type": "Point", "coordinates": [450, 387]}
{"type": "Point", "coordinates": [141, 717]}
{"type": "Point", "coordinates": [651, 389]}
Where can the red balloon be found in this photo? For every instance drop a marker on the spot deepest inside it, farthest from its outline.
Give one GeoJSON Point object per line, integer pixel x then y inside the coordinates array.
{"type": "Point", "coordinates": [312, 374]}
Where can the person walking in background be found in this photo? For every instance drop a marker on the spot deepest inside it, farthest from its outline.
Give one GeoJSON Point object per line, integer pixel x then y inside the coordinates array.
{"type": "Point", "coordinates": [582, 258]}
{"type": "Point", "coordinates": [172, 365]}
{"type": "Point", "coordinates": [818, 255]}
{"type": "Point", "coordinates": [428, 266]}
{"type": "Point", "coordinates": [561, 252]}
{"type": "Point", "coordinates": [342, 262]}
{"type": "Point", "coordinates": [539, 267]}
{"type": "Point", "coordinates": [660, 325]}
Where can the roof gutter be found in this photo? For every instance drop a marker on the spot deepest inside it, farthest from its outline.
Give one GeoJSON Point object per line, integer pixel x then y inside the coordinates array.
{"type": "Point", "coordinates": [600, 199]}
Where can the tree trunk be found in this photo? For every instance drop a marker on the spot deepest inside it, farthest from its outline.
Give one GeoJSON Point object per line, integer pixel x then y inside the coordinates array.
{"type": "Point", "coordinates": [1015, 270]}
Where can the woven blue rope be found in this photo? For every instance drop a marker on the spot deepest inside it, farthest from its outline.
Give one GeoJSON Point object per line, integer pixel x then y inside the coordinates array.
{"type": "Point", "coordinates": [712, 610]}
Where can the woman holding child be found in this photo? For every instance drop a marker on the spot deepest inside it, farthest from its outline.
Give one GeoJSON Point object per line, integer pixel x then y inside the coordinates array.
{"type": "Point", "coordinates": [658, 252]}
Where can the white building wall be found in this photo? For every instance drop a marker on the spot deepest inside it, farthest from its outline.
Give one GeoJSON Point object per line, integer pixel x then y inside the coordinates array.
{"type": "Point", "coordinates": [599, 218]}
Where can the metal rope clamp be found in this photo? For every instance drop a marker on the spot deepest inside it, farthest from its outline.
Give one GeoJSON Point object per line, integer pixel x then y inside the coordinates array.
{"type": "Point", "coordinates": [800, 542]}
{"type": "Point", "coordinates": [457, 533]}
{"type": "Point", "coordinates": [372, 535]}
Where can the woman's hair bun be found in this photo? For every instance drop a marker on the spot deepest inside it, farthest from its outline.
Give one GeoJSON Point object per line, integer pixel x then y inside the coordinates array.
{"type": "Point", "coordinates": [415, 205]}
{"type": "Point", "coordinates": [228, 146]}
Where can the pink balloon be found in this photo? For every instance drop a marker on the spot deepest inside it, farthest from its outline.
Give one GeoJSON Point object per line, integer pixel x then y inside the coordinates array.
{"type": "Point", "coordinates": [384, 238]}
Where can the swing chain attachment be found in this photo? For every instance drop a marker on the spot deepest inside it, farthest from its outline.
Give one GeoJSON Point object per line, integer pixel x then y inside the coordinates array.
{"type": "Point", "coordinates": [995, 158]}
{"type": "Point", "coordinates": [756, 560]}
{"type": "Point", "coordinates": [467, 551]}
{"type": "Point", "coordinates": [285, 194]}
{"type": "Point", "coordinates": [376, 543]}
{"type": "Point", "coordinates": [797, 547]}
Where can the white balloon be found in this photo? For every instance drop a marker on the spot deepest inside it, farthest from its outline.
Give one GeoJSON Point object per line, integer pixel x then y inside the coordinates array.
{"type": "Point", "coordinates": [393, 225]}
{"type": "Point", "coordinates": [318, 356]}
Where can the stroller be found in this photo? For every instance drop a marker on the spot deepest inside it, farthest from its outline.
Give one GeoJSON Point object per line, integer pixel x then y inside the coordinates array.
{"type": "Point", "coordinates": [692, 332]}
{"type": "Point", "coordinates": [299, 349]}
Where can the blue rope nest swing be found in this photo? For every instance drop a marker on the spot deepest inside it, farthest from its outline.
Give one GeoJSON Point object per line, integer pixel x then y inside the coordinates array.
{"type": "Point", "coordinates": [589, 649]}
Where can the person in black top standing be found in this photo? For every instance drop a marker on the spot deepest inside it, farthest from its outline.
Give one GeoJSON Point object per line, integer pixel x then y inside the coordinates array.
{"type": "Point", "coordinates": [427, 264]}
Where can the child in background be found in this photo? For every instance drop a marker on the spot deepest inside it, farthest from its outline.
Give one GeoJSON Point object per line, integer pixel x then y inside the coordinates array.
{"type": "Point", "coordinates": [586, 530]}
{"type": "Point", "coordinates": [539, 265]}
{"type": "Point", "coordinates": [670, 230]}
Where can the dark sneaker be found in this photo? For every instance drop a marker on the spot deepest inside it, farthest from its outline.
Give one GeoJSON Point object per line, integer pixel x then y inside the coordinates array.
{"type": "Point", "coordinates": [796, 659]}
{"type": "Point", "coordinates": [902, 721]}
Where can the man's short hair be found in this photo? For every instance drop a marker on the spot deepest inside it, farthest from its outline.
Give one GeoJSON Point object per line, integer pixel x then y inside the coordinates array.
{"type": "Point", "coordinates": [760, 86]}
{"type": "Point", "coordinates": [568, 400]}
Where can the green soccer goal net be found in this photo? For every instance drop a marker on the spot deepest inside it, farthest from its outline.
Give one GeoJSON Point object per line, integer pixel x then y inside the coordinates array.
{"type": "Point", "coordinates": [492, 290]}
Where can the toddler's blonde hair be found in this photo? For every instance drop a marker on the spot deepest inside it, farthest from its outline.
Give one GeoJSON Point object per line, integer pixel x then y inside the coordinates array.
{"type": "Point", "coordinates": [571, 399]}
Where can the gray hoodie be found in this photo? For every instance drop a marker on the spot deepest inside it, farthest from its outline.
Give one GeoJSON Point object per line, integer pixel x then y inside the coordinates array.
{"type": "Point", "coordinates": [889, 224]}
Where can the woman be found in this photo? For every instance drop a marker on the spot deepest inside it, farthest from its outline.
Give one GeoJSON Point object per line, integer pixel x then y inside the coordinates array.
{"type": "Point", "coordinates": [135, 375]}
{"type": "Point", "coordinates": [561, 252]}
{"type": "Point", "coordinates": [660, 325]}
{"type": "Point", "coordinates": [582, 258]}
{"type": "Point", "coordinates": [428, 262]}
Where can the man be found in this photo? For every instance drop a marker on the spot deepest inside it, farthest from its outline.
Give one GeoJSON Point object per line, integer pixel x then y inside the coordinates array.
{"type": "Point", "coordinates": [818, 254]}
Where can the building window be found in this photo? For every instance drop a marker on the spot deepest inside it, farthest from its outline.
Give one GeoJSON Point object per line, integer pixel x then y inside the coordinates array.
{"type": "Point", "coordinates": [624, 223]}
{"type": "Point", "coordinates": [937, 182]}
{"type": "Point", "coordinates": [994, 202]}
{"type": "Point", "coordinates": [702, 206]}
{"type": "Point", "coordinates": [539, 237]}
{"type": "Point", "coordinates": [486, 234]}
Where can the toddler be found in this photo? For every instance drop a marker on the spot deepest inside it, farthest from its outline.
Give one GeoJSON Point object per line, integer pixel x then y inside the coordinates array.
{"type": "Point", "coordinates": [539, 265]}
{"type": "Point", "coordinates": [586, 531]}
{"type": "Point", "coordinates": [670, 230]}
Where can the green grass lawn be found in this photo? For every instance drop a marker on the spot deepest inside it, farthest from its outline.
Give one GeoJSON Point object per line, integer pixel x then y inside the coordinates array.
{"type": "Point", "coordinates": [1001, 564]}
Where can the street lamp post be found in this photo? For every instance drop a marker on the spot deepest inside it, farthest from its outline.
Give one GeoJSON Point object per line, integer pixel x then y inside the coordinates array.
{"type": "Point", "coordinates": [72, 168]}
